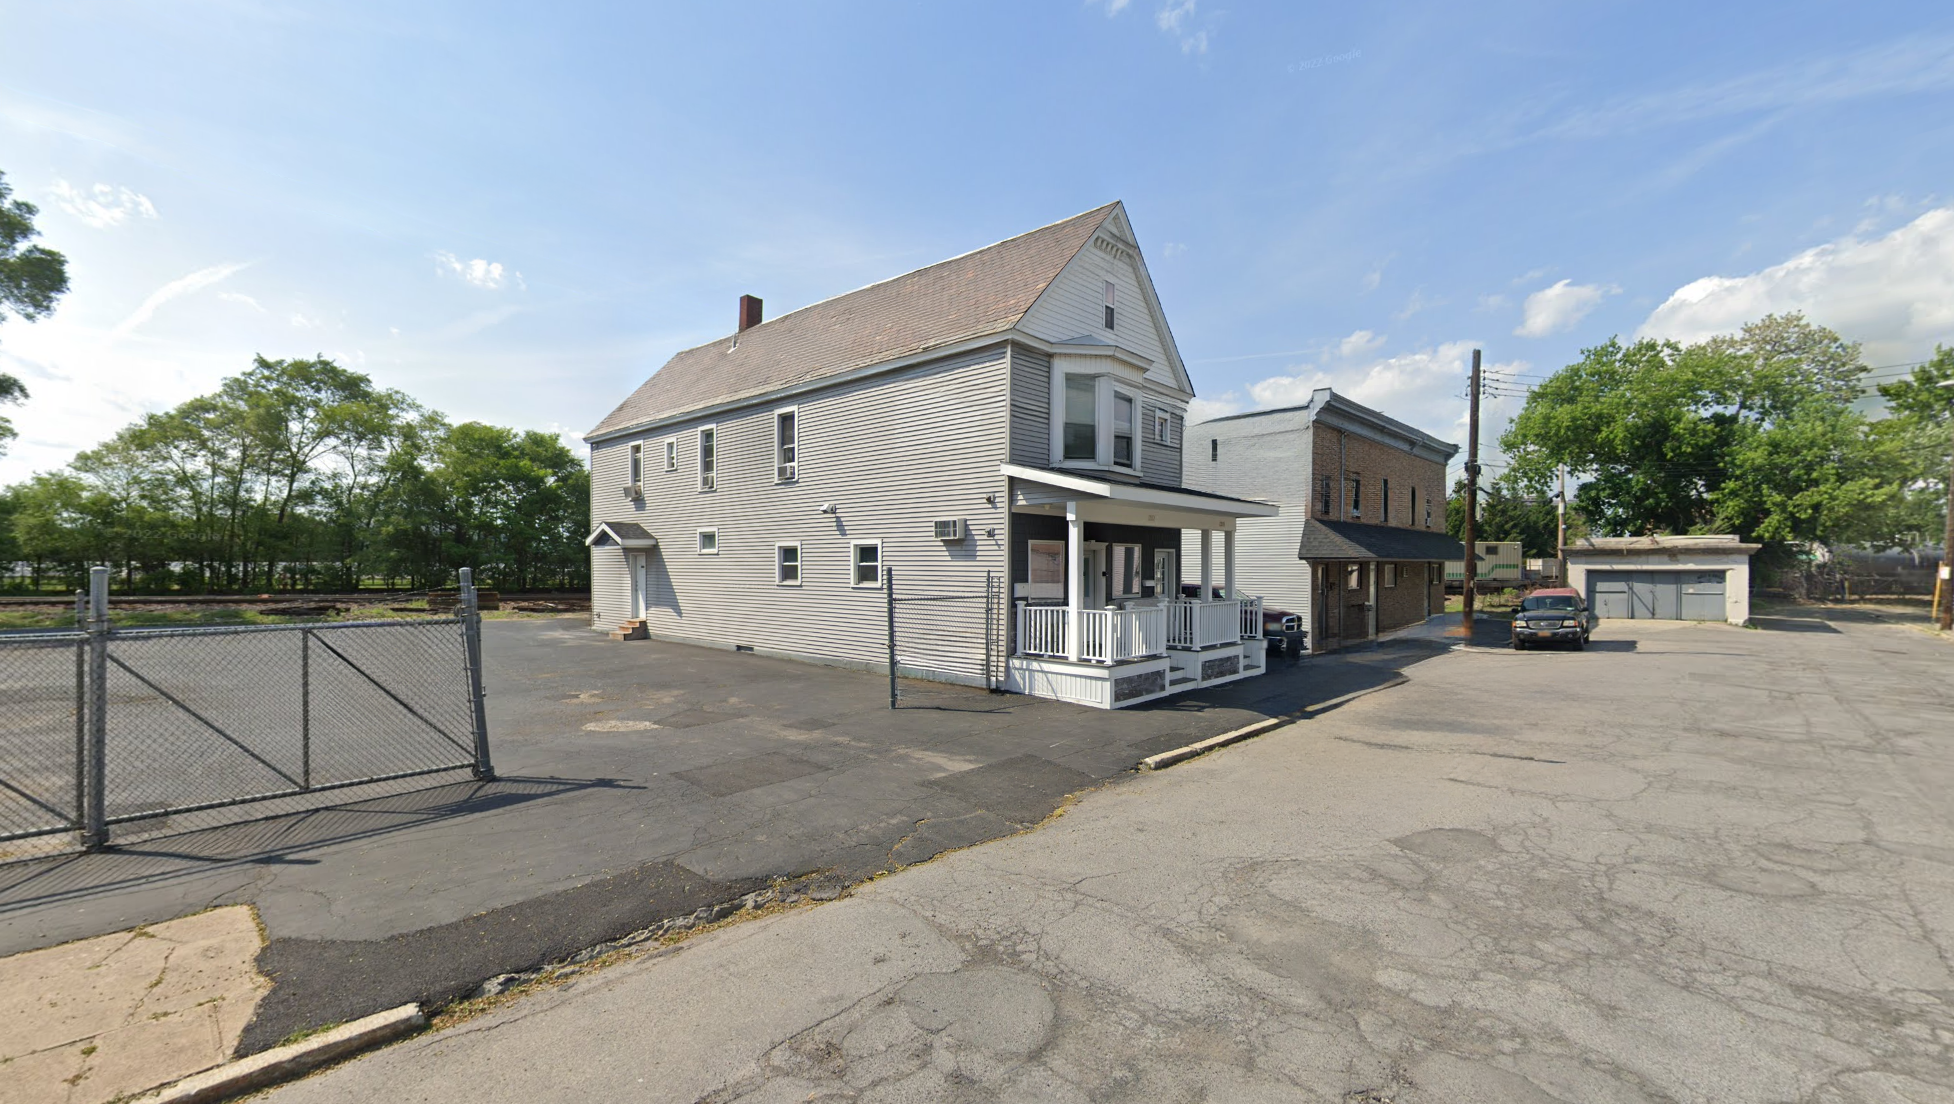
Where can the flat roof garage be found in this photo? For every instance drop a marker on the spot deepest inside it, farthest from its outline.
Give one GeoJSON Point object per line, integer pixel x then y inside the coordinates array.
{"type": "Point", "coordinates": [1686, 578]}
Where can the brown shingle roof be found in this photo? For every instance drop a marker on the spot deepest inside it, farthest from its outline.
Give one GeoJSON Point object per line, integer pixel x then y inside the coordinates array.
{"type": "Point", "coordinates": [979, 293]}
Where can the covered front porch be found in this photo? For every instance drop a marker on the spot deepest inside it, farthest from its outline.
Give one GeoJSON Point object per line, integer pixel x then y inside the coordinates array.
{"type": "Point", "coordinates": [1103, 612]}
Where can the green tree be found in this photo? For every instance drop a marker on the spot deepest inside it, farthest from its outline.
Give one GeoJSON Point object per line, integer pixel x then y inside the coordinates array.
{"type": "Point", "coordinates": [1751, 433]}
{"type": "Point", "coordinates": [32, 277]}
{"type": "Point", "coordinates": [1508, 513]}
{"type": "Point", "coordinates": [1919, 427]}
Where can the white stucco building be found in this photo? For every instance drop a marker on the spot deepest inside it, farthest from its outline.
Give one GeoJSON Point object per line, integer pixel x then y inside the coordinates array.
{"type": "Point", "coordinates": [1693, 578]}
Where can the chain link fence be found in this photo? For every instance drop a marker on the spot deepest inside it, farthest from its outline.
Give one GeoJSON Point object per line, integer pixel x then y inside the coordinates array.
{"type": "Point", "coordinates": [111, 726]}
{"type": "Point", "coordinates": [953, 634]}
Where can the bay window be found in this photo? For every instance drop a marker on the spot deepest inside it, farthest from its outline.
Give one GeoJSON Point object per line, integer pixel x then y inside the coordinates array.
{"type": "Point", "coordinates": [1098, 421]}
{"type": "Point", "coordinates": [1122, 430]}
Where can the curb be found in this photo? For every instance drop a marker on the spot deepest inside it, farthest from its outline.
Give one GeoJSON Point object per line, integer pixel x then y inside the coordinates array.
{"type": "Point", "coordinates": [286, 1062]}
{"type": "Point", "coordinates": [1202, 747]}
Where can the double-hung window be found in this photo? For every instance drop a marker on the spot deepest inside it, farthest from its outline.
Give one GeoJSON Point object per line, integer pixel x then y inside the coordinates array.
{"type": "Point", "coordinates": [1081, 418]}
{"type": "Point", "coordinates": [1356, 498]}
{"type": "Point", "coordinates": [671, 454]}
{"type": "Point", "coordinates": [786, 445]}
{"type": "Point", "coordinates": [1123, 418]}
{"type": "Point", "coordinates": [866, 557]}
{"type": "Point", "coordinates": [1411, 515]}
{"type": "Point", "coordinates": [787, 564]}
{"type": "Point", "coordinates": [1387, 575]}
{"type": "Point", "coordinates": [1111, 292]}
{"type": "Point", "coordinates": [1163, 427]}
{"type": "Point", "coordinates": [1323, 507]}
{"type": "Point", "coordinates": [1384, 503]}
{"type": "Point", "coordinates": [637, 465]}
{"type": "Point", "coordinates": [708, 437]}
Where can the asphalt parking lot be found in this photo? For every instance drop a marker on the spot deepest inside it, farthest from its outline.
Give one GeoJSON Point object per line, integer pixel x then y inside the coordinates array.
{"type": "Point", "coordinates": [637, 781]}
{"type": "Point", "coordinates": [1697, 864]}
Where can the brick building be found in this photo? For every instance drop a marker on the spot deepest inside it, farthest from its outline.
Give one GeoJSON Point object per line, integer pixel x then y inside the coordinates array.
{"type": "Point", "coordinates": [1359, 547]}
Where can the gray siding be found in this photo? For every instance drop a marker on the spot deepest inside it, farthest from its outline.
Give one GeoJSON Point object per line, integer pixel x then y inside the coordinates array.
{"type": "Point", "coordinates": [1161, 463]}
{"type": "Point", "coordinates": [1267, 459]}
{"type": "Point", "coordinates": [1031, 405]}
{"type": "Point", "coordinates": [891, 453]}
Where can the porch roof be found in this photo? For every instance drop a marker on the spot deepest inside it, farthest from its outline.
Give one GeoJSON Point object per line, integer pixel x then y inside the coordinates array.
{"type": "Point", "coordinates": [1140, 496]}
{"type": "Point", "coordinates": [624, 534]}
{"type": "Point", "coordinates": [1354, 540]}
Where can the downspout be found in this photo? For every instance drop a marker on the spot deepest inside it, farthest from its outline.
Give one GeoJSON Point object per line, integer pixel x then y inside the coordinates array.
{"type": "Point", "coordinates": [1343, 482]}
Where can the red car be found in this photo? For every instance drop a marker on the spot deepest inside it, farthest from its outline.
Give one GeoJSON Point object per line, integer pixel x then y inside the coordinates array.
{"type": "Point", "coordinates": [1283, 630]}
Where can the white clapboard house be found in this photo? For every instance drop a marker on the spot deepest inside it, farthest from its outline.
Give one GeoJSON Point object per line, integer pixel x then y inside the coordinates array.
{"type": "Point", "coordinates": [1008, 421]}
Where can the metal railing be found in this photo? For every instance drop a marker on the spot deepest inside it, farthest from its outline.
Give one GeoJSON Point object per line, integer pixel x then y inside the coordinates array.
{"type": "Point", "coordinates": [109, 726]}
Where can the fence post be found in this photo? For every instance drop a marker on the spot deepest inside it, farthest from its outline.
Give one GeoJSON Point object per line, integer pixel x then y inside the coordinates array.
{"type": "Point", "coordinates": [471, 632]}
{"type": "Point", "coordinates": [305, 709]}
{"type": "Point", "coordinates": [95, 828]}
{"type": "Point", "coordinates": [889, 591]}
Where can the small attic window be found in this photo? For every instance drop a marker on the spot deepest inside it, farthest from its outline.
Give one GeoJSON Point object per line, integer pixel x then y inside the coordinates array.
{"type": "Point", "coordinates": [1110, 290]}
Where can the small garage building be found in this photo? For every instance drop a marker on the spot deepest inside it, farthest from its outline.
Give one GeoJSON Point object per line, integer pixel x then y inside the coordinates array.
{"type": "Point", "coordinates": [1698, 578]}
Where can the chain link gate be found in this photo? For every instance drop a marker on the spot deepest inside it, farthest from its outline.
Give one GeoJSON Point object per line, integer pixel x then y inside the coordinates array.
{"type": "Point", "coordinates": [113, 726]}
{"type": "Point", "coordinates": [946, 622]}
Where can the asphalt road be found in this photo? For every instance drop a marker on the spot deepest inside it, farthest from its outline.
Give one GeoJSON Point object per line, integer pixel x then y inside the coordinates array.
{"type": "Point", "coordinates": [1696, 863]}
{"type": "Point", "coordinates": [638, 781]}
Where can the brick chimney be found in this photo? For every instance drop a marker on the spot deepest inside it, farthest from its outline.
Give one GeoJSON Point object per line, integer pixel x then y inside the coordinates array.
{"type": "Point", "coordinates": [749, 312]}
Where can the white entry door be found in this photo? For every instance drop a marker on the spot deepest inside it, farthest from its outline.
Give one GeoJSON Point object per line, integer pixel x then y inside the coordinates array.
{"type": "Point", "coordinates": [1166, 573]}
{"type": "Point", "coordinates": [638, 584]}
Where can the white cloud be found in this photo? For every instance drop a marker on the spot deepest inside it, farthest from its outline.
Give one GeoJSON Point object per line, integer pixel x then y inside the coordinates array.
{"type": "Point", "coordinates": [479, 272]}
{"type": "Point", "coordinates": [1492, 302]}
{"type": "Point", "coordinates": [1560, 306]}
{"type": "Point", "coordinates": [1113, 7]}
{"type": "Point", "coordinates": [1173, 249]}
{"type": "Point", "coordinates": [1358, 344]}
{"type": "Point", "coordinates": [1894, 293]}
{"type": "Point", "coordinates": [1176, 17]}
{"type": "Point", "coordinates": [1415, 304]}
{"type": "Point", "coordinates": [177, 288]}
{"type": "Point", "coordinates": [246, 300]}
{"type": "Point", "coordinates": [1424, 388]}
{"type": "Point", "coordinates": [102, 206]}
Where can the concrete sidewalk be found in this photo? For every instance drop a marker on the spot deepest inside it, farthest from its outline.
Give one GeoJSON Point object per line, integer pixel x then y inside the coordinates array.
{"type": "Point", "coordinates": [640, 781]}
{"type": "Point", "coordinates": [1707, 864]}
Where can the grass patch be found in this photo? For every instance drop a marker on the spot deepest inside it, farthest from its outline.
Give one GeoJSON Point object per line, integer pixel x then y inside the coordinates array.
{"type": "Point", "coordinates": [305, 1033]}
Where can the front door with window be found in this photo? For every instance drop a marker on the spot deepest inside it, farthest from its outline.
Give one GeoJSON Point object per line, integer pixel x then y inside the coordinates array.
{"type": "Point", "coordinates": [1092, 576]}
{"type": "Point", "coordinates": [638, 573]}
{"type": "Point", "coordinates": [1166, 573]}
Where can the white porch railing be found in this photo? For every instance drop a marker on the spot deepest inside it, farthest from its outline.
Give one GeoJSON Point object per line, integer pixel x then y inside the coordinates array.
{"type": "Point", "coordinates": [1206, 624]}
{"type": "Point", "coordinates": [1105, 636]}
{"type": "Point", "coordinates": [1251, 618]}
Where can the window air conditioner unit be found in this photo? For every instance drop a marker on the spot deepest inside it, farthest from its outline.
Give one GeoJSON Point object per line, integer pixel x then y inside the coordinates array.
{"type": "Point", "coordinates": [784, 473]}
{"type": "Point", "coordinates": [951, 530]}
{"type": "Point", "coordinates": [634, 490]}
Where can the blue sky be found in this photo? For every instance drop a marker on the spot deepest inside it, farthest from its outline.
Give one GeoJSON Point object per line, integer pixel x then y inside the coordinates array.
{"type": "Point", "coordinates": [515, 213]}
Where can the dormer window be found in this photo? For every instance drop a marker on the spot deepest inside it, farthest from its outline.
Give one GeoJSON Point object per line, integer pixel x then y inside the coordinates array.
{"type": "Point", "coordinates": [1110, 292]}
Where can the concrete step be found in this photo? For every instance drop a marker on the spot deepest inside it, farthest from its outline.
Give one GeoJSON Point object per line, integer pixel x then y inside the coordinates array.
{"type": "Point", "coordinates": [631, 630]}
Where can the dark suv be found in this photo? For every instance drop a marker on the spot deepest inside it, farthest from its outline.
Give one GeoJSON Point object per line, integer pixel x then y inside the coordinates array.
{"type": "Point", "coordinates": [1552, 616]}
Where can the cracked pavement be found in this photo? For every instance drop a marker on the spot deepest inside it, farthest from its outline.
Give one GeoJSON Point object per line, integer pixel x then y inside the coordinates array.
{"type": "Point", "coordinates": [1696, 863]}
{"type": "Point", "coordinates": [639, 781]}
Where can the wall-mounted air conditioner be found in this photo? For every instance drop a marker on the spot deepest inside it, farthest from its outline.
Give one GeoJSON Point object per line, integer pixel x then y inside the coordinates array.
{"type": "Point", "coordinates": [783, 473]}
{"type": "Point", "coordinates": [634, 490]}
{"type": "Point", "coordinates": [950, 530]}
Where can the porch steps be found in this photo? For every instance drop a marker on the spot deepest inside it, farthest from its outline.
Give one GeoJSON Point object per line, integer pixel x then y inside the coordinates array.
{"type": "Point", "coordinates": [633, 629]}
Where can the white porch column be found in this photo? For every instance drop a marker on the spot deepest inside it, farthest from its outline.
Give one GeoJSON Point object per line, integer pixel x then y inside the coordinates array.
{"type": "Point", "coordinates": [1207, 565]}
{"type": "Point", "coordinates": [1228, 562]}
{"type": "Point", "coordinates": [1075, 583]}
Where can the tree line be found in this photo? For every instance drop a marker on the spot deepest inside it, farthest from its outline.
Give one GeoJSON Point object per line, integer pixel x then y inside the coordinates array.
{"type": "Point", "coordinates": [301, 474]}
{"type": "Point", "coordinates": [1767, 433]}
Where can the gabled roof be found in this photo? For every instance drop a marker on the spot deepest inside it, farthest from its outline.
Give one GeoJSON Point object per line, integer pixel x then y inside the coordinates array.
{"type": "Point", "coordinates": [1354, 540]}
{"type": "Point", "coordinates": [965, 297]}
{"type": "Point", "coordinates": [624, 534]}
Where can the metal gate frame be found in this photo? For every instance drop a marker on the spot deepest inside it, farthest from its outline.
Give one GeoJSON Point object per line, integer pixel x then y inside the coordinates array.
{"type": "Point", "coordinates": [94, 656]}
{"type": "Point", "coordinates": [993, 598]}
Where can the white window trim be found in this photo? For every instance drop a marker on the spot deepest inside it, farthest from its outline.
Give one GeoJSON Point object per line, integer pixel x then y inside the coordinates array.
{"type": "Point", "coordinates": [701, 544]}
{"type": "Point", "coordinates": [1105, 385]}
{"type": "Point", "coordinates": [796, 412]}
{"type": "Point", "coordinates": [635, 461]}
{"type": "Point", "coordinates": [671, 454]}
{"type": "Point", "coordinates": [800, 564]}
{"type": "Point", "coordinates": [1139, 571]}
{"type": "Point", "coordinates": [1163, 427]}
{"type": "Point", "coordinates": [855, 583]}
{"type": "Point", "coordinates": [704, 475]}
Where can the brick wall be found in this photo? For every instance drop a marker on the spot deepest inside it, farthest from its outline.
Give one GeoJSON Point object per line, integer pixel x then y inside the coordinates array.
{"type": "Point", "coordinates": [1367, 465]}
{"type": "Point", "coordinates": [1404, 604]}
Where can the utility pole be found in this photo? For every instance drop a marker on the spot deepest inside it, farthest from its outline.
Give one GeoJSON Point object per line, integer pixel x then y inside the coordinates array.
{"type": "Point", "coordinates": [1472, 499]}
{"type": "Point", "coordinates": [1945, 587]}
{"type": "Point", "coordinates": [1560, 535]}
